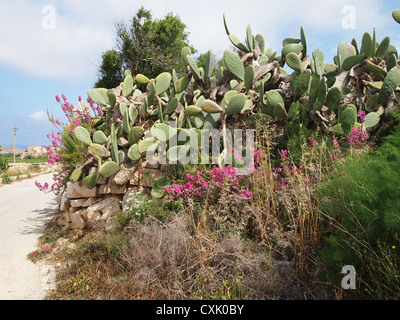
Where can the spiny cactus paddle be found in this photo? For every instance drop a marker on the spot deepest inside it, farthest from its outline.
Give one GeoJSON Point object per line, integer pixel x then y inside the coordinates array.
{"type": "Point", "coordinates": [108, 169]}
{"type": "Point", "coordinates": [76, 175]}
{"type": "Point", "coordinates": [348, 118]}
{"type": "Point", "coordinates": [249, 77]}
{"type": "Point", "coordinates": [98, 150]}
{"type": "Point", "coordinates": [163, 132]}
{"type": "Point", "coordinates": [91, 180]}
{"type": "Point", "coordinates": [163, 82]}
{"type": "Point", "coordinates": [127, 86]}
{"type": "Point", "coordinates": [396, 15]}
{"type": "Point", "coordinates": [371, 120]}
{"type": "Point", "coordinates": [99, 96]}
{"type": "Point", "coordinates": [392, 81]}
{"type": "Point", "coordinates": [293, 61]}
{"type": "Point", "coordinates": [236, 104]}
{"type": "Point", "coordinates": [133, 153]}
{"type": "Point", "coordinates": [99, 137]}
{"type": "Point", "coordinates": [234, 64]}
{"type": "Point", "coordinates": [334, 98]}
{"type": "Point", "coordinates": [82, 135]}
{"type": "Point", "coordinates": [142, 79]}
{"type": "Point", "coordinates": [210, 106]}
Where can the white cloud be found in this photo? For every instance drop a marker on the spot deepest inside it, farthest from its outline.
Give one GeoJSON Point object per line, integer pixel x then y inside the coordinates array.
{"type": "Point", "coordinates": [67, 51]}
{"type": "Point", "coordinates": [38, 116]}
{"type": "Point", "coordinates": [84, 29]}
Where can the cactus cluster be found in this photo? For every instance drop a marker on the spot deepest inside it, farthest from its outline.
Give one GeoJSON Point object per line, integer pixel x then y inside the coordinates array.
{"type": "Point", "coordinates": [252, 83]}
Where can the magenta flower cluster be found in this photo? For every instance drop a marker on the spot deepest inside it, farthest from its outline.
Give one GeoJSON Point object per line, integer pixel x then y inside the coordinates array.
{"type": "Point", "coordinates": [56, 187]}
{"type": "Point", "coordinates": [362, 116]}
{"type": "Point", "coordinates": [75, 117]}
{"type": "Point", "coordinates": [215, 179]}
{"type": "Point", "coordinates": [357, 137]}
{"type": "Point", "coordinates": [194, 185]}
{"type": "Point", "coordinates": [337, 154]}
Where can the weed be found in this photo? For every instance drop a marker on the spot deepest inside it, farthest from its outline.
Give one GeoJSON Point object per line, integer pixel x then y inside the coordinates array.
{"type": "Point", "coordinates": [39, 254]}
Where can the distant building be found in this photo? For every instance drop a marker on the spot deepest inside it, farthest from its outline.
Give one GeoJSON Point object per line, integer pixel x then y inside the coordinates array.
{"type": "Point", "coordinates": [35, 150]}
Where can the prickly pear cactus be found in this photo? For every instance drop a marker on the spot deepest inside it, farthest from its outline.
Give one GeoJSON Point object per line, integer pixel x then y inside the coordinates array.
{"type": "Point", "coordinates": [284, 86]}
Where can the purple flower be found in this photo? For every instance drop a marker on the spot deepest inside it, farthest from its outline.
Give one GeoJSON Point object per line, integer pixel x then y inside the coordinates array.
{"type": "Point", "coordinates": [335, 143]}
{"type": "Point", "coordinates": [247, 193]}
{"type": "Point", "coordinates": [362, 116]}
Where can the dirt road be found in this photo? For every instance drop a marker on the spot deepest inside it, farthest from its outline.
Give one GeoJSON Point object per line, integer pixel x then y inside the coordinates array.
{"type": "Point", "coordinates": [24, 211]}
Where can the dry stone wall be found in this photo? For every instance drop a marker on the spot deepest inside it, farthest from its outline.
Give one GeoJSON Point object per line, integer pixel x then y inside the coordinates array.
{"type": "Point", "coordinates": [96, 208]}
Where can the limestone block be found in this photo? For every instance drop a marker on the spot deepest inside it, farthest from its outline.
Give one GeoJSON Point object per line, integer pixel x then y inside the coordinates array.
{"type": "Point", "coordinates": [127, 196]}
{"type": "Point", "coordinates": [77, 190]}
{"type": "Point", "coordinates": [88, 202]}
{"type": "Point", "coordinates": [78, 221]}
{"type": "Point", "coordinates": [110, 209]}
{"type": "Point", "coordinates": [77, 203]}
{"type": "Point", "coordinates": [120, 178]}
{"type": "Point", "coordinates": [147, 178]}
{"type": "Point", "coordinates": [93, 216]}
{"type": "Point", "coordinates": [104, 208]}
{"type": "Point", "coordinates": [64, 202]}
{"type": "Point", "coordinates": [106, 189]}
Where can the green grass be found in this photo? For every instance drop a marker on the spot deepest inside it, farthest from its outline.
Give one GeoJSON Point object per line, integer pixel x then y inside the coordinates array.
{"type": "Point", "coordinates": [19, 160]}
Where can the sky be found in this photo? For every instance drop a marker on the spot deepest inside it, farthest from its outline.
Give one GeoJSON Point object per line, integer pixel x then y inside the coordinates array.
{"type": "Point", "coordinates": [50, 48]}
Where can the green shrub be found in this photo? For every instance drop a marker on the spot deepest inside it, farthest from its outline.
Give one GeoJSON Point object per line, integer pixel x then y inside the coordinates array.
{"type": "Point", "coordinates": [5, 178]}
{"type": "Point", "coordinates": [3, 164]}
{"type": "Point", "coordinates": [362, 199]}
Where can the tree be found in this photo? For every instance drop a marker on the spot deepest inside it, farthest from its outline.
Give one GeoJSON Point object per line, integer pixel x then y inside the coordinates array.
{"type": "Point", "coordinates": [110, 72]}
{"type": "Point", "coordinates": [148, 46]}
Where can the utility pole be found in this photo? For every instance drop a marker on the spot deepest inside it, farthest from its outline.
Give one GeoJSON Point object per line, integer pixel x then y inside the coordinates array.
{"type": "Point", "coordinates": [15, 133]}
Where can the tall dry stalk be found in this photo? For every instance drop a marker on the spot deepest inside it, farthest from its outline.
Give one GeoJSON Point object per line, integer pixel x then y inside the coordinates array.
{"type": "Point", "coordinates": [286, 214]}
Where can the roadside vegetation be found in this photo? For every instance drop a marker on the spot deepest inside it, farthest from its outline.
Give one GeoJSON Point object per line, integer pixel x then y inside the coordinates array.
{"type": "Point", "coordinates": [25, 168]}
{"type": "Point", "coordinates": [322, 193]}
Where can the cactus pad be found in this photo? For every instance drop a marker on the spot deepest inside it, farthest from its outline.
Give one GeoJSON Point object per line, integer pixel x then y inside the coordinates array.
{"type": "Point", "coordinates": [83, 135]}
{"type": "Point", "coordinates": [108, 169]}
{"type": "Point", "coordinates": [234, 64]}
{"type": "Point", "coordinates": [210, 106]}
{"type": "Point", "coordinates": [99, 137]}
{"type": "Point", "coordinates": [91, 180]}
{"type": "Point", "coordinates": [236, 104]}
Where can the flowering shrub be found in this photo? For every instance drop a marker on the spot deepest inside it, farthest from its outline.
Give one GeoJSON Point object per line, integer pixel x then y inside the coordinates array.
{"type": "Point", "coordinates": [64, 150]}
{"type": "Point", "coordinates": [357, 137]}
{"type": "Point", "coordinates": [139, 207]}
{"type": "Point", "coordinates": [136, 207]}
{"type": "Point", "coordinates": [195, 186]}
